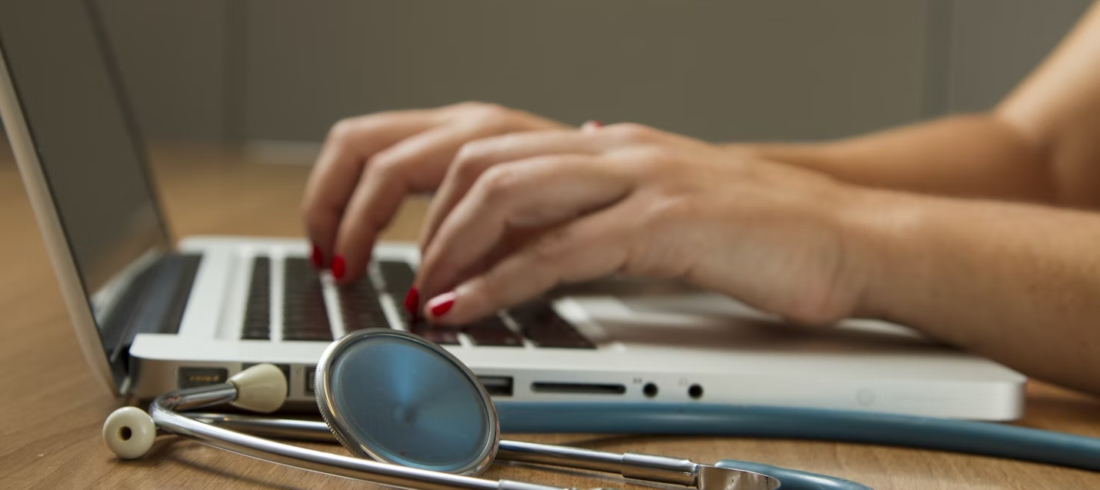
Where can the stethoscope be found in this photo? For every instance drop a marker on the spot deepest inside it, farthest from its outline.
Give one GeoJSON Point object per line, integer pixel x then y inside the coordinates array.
{"type": "Point", "coordinates": [413, 416]}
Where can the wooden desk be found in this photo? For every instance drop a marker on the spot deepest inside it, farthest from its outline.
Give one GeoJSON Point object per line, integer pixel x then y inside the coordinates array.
{"type": "Point", "coordinates": [52, 409]}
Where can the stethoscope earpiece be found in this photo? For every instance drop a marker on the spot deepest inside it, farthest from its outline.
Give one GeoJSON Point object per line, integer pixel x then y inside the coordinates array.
{"type": "Point", "coordinates": [129, 432]}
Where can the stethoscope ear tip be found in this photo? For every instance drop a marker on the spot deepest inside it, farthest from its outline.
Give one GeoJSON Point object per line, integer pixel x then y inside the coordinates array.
{"type": "Point", "coordinates": [129, 432]}
{"type": "Point", "coordinates": [260, 388]}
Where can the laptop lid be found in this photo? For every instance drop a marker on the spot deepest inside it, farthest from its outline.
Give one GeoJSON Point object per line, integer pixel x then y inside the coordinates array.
{"type": "Point", "coordinates": [82, 164]}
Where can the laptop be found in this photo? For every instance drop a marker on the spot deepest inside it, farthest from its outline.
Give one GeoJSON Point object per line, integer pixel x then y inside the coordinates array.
{"type": "Point", "coordinates": [153, 314]}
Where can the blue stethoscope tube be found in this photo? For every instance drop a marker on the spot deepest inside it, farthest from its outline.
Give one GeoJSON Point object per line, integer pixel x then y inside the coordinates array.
{"type": "Point", "coordinates": [958, 436]}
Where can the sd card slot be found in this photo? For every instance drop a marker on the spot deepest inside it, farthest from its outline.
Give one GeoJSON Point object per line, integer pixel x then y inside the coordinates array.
{"type": "Point", "coordinates": [578, 388]}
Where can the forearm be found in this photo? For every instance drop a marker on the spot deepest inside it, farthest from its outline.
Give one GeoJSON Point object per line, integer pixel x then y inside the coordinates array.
{"type": "Point", "coordinates": [1017, 283]}
{"type": "Point", "coordinates": [972, 156]}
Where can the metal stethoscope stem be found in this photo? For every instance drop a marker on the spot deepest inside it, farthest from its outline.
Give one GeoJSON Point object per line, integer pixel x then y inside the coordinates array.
{"type": "Point", "coordinates": [629, 465]}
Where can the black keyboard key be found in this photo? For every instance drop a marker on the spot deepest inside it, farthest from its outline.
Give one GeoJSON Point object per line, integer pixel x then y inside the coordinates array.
{"type": "Point", "coordinates": [398, 276]}
{"type": "Point", "coordinates": [308, 335]}
{"type": "Point", "coordinates": [439, 335]}
{"type": "Point", "coordinates": [360, 306]}
{"type": "Point", "coordinates": [541, 324]}
{"type": "Point", "coordinates": [257, 313]}
{"type": "Point", "coordinates": [250, 334]}
{"type": "Point", "coordinates": [304, 313]}
{"type": "Point", "coordinates": [492, 332]}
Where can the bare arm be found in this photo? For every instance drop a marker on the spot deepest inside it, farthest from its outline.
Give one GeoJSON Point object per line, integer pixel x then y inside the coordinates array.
{"type": "Point", "coordinates": [1041, 144]}
{"type": "Point", "coordinates": [1018, 283]}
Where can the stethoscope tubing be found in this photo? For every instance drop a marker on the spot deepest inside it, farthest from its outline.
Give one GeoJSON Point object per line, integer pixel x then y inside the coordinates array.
{"type": "Point", "coordinates": [960, 436]}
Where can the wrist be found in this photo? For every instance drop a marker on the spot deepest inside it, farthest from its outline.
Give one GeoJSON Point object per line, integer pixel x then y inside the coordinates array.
{"type": "Point", "coordinates": [816, 156]}
{"type": "Point", "coordinates": [879, 230]}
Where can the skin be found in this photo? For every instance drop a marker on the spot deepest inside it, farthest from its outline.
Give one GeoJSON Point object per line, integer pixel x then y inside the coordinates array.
{"type": "Point", "coordinates": [979, 230]}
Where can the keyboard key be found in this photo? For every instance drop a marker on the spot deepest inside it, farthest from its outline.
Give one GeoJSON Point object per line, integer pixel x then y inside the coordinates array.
{"type": "Point", "coordinates": [257, 314]}
{"type": "Point", "coordinates": [439, 335]}
{"type": "Point", "coordinates": [492, 332]}
{"type": "Point", "coordinates": [304, 313]}
{"type": "Point", "coordinates": [256, 334]}
{"type": "Point", "coordinates": [360, 306]}
{"type": "Point", "coordinates": [398, 276]}
{"type": "Point", "coordinates": [541, 324]}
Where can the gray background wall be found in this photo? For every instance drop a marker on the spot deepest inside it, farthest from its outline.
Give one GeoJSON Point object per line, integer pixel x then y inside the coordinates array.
{"type": "Point", "coordinates": [259, 70]}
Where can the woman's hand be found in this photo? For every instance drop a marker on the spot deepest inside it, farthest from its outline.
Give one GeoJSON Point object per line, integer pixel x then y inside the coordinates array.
{"type": "Point", "coordinates": [368, 165]}
{"type": "Point", "coordinates": [634, 200]}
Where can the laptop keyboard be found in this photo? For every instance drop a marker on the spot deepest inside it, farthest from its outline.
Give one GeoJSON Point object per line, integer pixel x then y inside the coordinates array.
{"type": "Point", "coordinates": [306, 318]}
{"type": "Point", "coordinates": [257, 313]}
{"type": "Point", "coordinates": [304, 313]}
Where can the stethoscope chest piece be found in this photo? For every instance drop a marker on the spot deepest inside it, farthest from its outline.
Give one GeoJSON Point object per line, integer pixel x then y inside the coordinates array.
{"type": "Point", "coordinates": [395, 397]}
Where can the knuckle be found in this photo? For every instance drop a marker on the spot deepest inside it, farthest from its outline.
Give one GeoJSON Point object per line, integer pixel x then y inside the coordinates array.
{"type": "Point", "coordinates": [665, 210]}
{"type": "Point", "coordinates": [490, 286]}
{"type": "Point", "coordinates": [470, 105]}
{"type": "Point", "coordinates": [633, 132]}
{"type": "Point", "coordinates": [345, 129]}
{"type": "Point", "coordinates": [382, 166]}
{"type": "Point", "coordinates": [498, 184]}
{"type": "Point", "coordinates": [491, 116]}
{"type": "Point", "coordinates": [468, 160]}
{"type": "Point", "coordinates": [652, 162]}
{"type": "Point", "coordinates": [553, 246]}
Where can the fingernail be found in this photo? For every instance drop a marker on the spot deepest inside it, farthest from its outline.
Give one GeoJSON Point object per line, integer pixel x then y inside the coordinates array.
{"type": "Point", "coordinates": [590, 126]}
{"type": "Point", "coordinates": [441, 304]}
{"type": "Point", "coordinates": [412, 302]}
{"type": "Point", "coordinates": [338, 267]}
{"type": "Point", "coordinates": [316, 257]}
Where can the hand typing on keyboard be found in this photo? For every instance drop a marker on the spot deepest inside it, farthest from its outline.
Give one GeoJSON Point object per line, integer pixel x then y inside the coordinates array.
{"type": "Point", "coordinates": [369, 163]}
{"type": "Point", "coordinates": [592, 202]}
{"type": "Point", "coordinates": [634, 200]}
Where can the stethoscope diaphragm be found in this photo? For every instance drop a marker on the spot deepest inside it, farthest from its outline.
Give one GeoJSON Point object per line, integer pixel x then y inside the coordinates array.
{"type": "Point", "coordinates": [394, 397]}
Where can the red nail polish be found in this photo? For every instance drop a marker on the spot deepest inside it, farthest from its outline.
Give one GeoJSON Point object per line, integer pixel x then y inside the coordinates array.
{"type": "Point", "coordinates": [412, 302]}
{"type": "Point", "coordinates": [595, 124]}
{"type": "Point", "coordinates": [441, 304]}
{"type": "Point", "coordinates": [338, 267]}
{"type": "Point", "coordinates": [317, 257]}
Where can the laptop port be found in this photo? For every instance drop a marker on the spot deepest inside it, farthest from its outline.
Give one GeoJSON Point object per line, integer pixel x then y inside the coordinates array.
{"type": "Point", "coordinates": [695, 392]}
{"type": "Point", "coordinates": [190, 377]}
{"type": "Point", "coordinates": [578, 388]}
{"type": "Point", "coordinates": [497, 385]}
{"type": "Point", "coordinates": [311, 380]}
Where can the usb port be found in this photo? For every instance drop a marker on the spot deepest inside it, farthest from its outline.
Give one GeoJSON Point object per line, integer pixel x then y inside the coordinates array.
{"type": "Point", "coordinates": [497, 385]}
{"type": "Point", "coordinates": [190, 377]}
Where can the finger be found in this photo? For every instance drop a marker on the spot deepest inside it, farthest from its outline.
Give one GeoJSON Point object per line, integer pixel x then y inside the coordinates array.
{"type": "Point", "coordinates": [349, 145]}
{"type": "Point", "coordinates": [413, 165]}
{"type": "Point", "coordinates": [591, 126]}
{"type": "Point", "coordinates": [593, 246]}
{"type": "Point", "coordinates": [478, 156]}
{"type": "Point", "coordinates": [539, 191]}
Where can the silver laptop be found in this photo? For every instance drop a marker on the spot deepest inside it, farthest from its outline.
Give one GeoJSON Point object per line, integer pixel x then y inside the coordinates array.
{"type": "Point", "coordinates": [152, 315]}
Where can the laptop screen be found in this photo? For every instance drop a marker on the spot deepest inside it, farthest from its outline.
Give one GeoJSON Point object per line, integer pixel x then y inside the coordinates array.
{"type": "Point", "coordinates": [60, 65]}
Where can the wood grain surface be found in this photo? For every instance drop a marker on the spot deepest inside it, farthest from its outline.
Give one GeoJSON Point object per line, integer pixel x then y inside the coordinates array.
{"type": "Point", "coordinates": [52, 409]}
